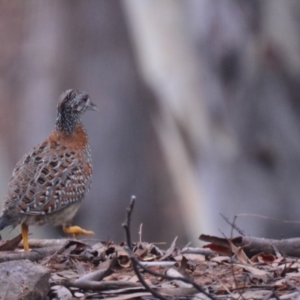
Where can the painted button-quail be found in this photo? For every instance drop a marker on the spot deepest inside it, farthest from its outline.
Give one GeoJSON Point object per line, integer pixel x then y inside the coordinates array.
{"type": "Point", "coordinates": [50, 181]}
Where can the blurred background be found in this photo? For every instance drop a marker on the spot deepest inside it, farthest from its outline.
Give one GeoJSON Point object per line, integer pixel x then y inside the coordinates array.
{"type": "Point", "coordinates": [199, 109]}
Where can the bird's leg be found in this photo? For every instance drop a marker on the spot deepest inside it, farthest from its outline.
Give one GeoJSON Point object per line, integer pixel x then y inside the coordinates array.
{"type": "Point", "coordinates": [76, 230]}
{"type": "Point", "coordinates": [24, 231]}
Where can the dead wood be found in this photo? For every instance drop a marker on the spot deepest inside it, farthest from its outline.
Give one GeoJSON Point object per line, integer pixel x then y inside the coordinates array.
{"type": "Point", "coordinates": [158, 263]}
{"type": "Point", "coordinates": [93, 278]}
{"type": "Point", "coordinates": [174, 273]}
{"type": "Point", "coordinates": [178, 292]}
{"type": "Point", "coordinates": [33, 255]}
{"type": "Point", "coordinates": [39, 243]}
{"type": "Point", "coordinates": [254, 245]}
{"type": "Point", "coordinates": [97, 275]}
{"type": "Point", "coordinates": [78, 268]}
{"type": "Point", "coordinates": [192, 250]}
{"type": "Point", "coordinates": [100, 285]}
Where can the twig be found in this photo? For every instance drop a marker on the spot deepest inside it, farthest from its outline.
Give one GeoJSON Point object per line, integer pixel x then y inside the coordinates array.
{"type": "Point", "coordinates": [216, 277]}
{"type": "Point", "coordinates": [59, 250]}
{"type": "Point", "coordinates": [98, 274]}
{"type": "Point", "coordinates": [91, 280]}
{"type": "Point", "coordinates": [174, 273]}
{"type": "Point", "coordinates": [39, 243]}
{"type": "Point", "coordinates": [158, 263]}
{"type": "Point", "coordinates": [34, 255]}
{"type": "Point", "coordinates": [232, 224]}
{"type": "Point", "coordinates": [183, 279]}
{"type": "Point", "coordinates": [231, 263]}
{"type": "Point", "coordinates": [273, 294]}
{"type": "Point", "coordinates": [202, 251]}
{"type": "Point", "coordinates": [126, 226]}
{"type": "Point", "coordinates": [102, 285]}
{"type": "Point", "coordinates": [140, 233]}
{"type": "Point", "coordinates": [268, 218]}
{"type": "Point", "coordinates": [136, 263]}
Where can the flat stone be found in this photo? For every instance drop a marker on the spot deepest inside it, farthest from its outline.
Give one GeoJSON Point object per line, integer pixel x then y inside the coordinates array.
{"type": "Point", "coordinates": [62, 293]}
{"type": "Point", "coordinates": [23, 279]}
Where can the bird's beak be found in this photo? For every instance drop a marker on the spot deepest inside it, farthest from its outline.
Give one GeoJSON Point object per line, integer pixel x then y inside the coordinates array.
{"type": "Point", "coordinates": [92, 106]}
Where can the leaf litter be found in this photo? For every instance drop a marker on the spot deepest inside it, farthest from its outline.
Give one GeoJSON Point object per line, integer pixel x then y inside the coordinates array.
{"type": "Point", "coordinates": [237, 268]}
{"type": "Point", "coordinates": [103, 270]}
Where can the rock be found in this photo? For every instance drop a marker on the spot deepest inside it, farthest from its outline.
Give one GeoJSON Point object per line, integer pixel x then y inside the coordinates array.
{"type": "Point", "coordinates": [23, 279]}
{"type": "Point", "coordinates": [62, 293]}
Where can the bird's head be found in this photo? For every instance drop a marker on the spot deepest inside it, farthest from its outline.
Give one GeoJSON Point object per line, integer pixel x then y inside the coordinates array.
{"type": "Point", "coordinates": [71, 105]}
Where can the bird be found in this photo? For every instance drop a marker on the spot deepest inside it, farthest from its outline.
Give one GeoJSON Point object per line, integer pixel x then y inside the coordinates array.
{"type": "Point", "coordinates": [50, 181]}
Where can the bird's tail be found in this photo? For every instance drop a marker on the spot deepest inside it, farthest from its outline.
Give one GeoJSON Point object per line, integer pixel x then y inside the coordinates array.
{"type": "Point", "coordinates": [3, 222]}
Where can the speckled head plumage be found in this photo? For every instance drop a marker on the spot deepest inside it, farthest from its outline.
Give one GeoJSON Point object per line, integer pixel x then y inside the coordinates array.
{"type": "Point", "coordinates": [71, 105]}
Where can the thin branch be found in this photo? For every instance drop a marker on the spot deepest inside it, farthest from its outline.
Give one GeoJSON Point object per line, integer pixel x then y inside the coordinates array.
{"type": "Point", "coordinates": [136, 263]}
{"type": "Point", "coordinates": [232, 224]}
{"type": "Point", "coordinates": [231, 264]}
{"type": "Point", "coordinates": [126, 226]}
{"type": "Point", "coordinates": [100, 286]}
{"type": "Point", "coordinates": [268, 218]}
{"type": "Point", "coordinates": [273, 294]}
{"type": "Point", "coordinates": [33, 255]}
{"type": "Point", "coordinates": [97, 275]}
{"type": "Point", "coordinates": [158, 263]}
{"type": "Point", "coordinates": [183, 279]}
{"type": "Point", "coordinates": [140, 233]}
{"type": "Point", "coordinates": [201, 251]}
{"type": "Point", "coordinates": [41, 243]}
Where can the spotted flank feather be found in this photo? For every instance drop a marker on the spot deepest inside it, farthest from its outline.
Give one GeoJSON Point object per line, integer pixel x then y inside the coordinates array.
{"type": "Point", "coordinates": [49, 178]}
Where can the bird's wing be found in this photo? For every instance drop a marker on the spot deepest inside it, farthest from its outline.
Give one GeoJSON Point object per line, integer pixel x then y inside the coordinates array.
{"type": "Point", "coordinates": [47, 180]}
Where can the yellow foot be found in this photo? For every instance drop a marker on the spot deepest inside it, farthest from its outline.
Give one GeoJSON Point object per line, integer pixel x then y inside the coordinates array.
{"type": "Point", "coordinates": [24, 230]}
{"type": "Point", "coordinates": [76, 230]}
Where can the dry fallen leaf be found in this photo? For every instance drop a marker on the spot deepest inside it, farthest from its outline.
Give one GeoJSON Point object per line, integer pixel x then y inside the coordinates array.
{"type": "Point", "coordinates": [263, 258]}
{"type": "Point", "coordinates": [123, 257]}
{"type": "Point", "coordinates": [223, 250]}
{"type": "Point", "coordinates": [170, 251]}
{"type": "Point", "coordinates": [240, 254]}
{"type": "Point", "coordinates": [194, 257]}
{"type": "Point", "coordinates": [254, 271]}
{"type": "Point", "coordinates": [220, 259]}
{"type": "Point", "coordinates": [10, 245]}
